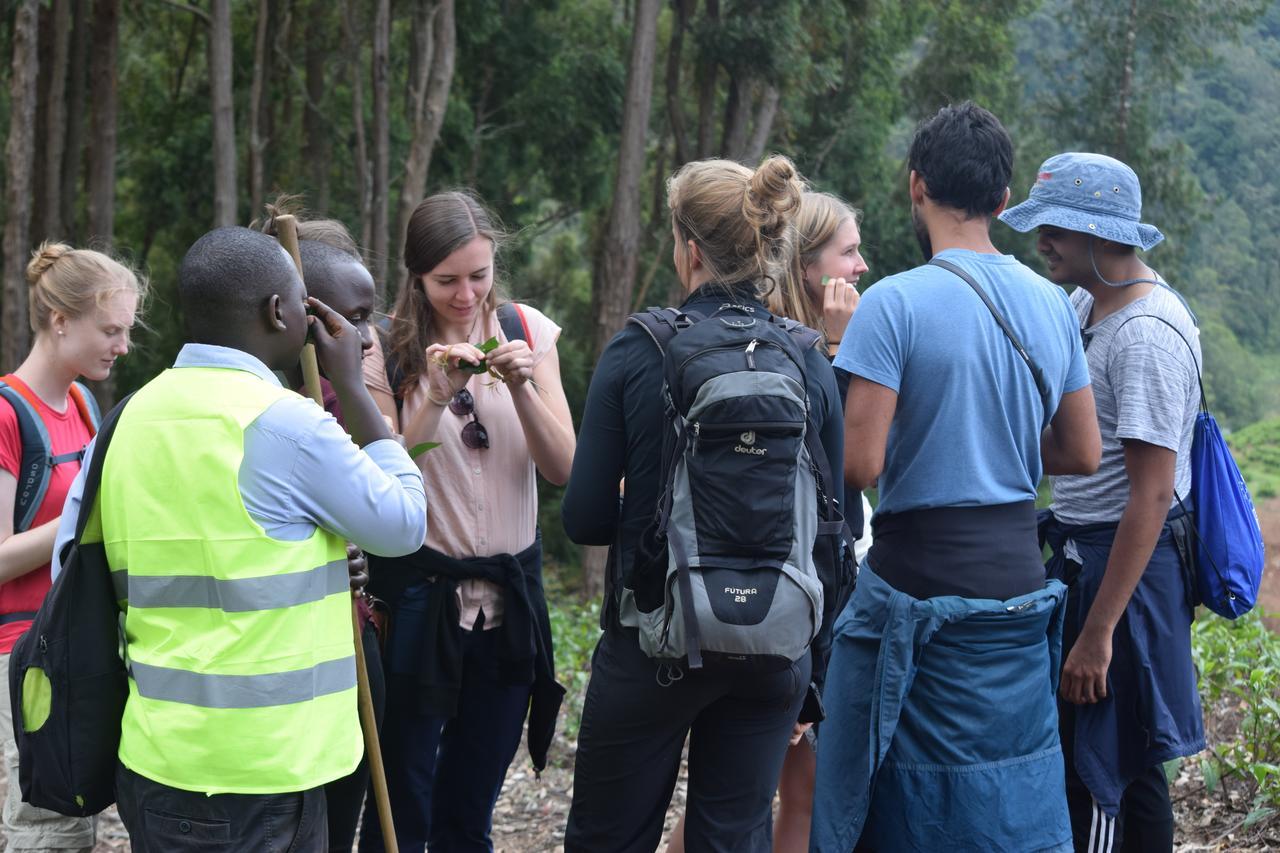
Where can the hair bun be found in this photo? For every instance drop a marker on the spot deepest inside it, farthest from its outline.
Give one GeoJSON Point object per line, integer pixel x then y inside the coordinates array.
{"type": "Point", "coordinates": [43, 258]}
{"type": "Point", "coordinates": [773, 196]}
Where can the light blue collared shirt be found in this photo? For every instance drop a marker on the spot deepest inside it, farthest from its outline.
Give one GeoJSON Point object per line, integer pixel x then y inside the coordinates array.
{"type": "Point", "coordinates": [302, 471]}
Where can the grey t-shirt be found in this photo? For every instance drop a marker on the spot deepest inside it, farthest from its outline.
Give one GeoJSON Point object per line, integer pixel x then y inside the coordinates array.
{"type": "Point", "coordinates": [1146, 388]}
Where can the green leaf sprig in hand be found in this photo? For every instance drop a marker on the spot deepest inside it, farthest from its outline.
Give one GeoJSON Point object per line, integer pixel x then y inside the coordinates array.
{"type": "Point", "coordinates": [477, 369]}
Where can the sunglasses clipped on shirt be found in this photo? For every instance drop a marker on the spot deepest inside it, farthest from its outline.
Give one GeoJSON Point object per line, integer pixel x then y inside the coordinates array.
{"type": "Point", "coordinates": [474, 435]}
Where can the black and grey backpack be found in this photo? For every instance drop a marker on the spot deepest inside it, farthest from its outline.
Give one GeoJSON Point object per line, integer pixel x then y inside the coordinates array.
{"type": "Point", "coordinates": [730, 577]}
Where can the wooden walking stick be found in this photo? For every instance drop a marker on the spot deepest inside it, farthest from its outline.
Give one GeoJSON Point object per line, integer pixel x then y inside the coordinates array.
{"type": "Point", "coordinates": [287, 234]}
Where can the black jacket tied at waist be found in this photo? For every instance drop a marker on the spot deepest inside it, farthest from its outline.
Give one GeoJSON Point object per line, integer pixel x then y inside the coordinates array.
{"type": "Point", "coordinates": [524, 641]}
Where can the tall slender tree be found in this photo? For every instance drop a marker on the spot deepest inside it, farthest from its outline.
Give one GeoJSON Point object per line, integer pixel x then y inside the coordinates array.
{"type": "Point", "coordinates": [381, 141]}
{"type": "Point", "coordinates": [222, 107]}
{"type": "Point", "coordinates": [436, 45]}
{"type": "Point", "coordinates": [77, 93]}
{"type": "Point", "coordinates": [258, 98]}
{"type": "Point", "coordinates": [103, 63]}
{"type": "Point", "coordinates": [19, 162]}
{"type": "Point", "coordinates": [56, 119]}
{"type": "Point", "coordinates": [351, 39]}
{"type": "Point", "coordinates": [615, 275]}
{"type": "Point", "coordinates": [315, 126]}
{"type": "Point", "coordinates": [616, 268]}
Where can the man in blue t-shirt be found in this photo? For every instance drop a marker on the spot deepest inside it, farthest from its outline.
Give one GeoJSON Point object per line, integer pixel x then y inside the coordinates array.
{"type": "Point", "coordinates": [942, 409]}
{"type": "Point", "coordinates": [942, 729]}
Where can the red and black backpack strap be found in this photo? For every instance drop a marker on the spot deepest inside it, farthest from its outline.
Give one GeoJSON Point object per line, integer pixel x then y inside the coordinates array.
{"type": "Point", "coordinates": [515, 326]}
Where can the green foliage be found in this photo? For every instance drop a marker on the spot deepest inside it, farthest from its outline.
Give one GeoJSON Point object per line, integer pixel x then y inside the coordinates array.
{"type": "Point", "coordinates": [1257, 451]}
{"type": "Point", "coordinates": [1239, 666]}
{"type": "Point", "coordinates": [576, 629]}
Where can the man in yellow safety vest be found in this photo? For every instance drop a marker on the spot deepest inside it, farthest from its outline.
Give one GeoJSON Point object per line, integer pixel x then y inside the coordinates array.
{"type": "Point", "coordinates": [225, 506]}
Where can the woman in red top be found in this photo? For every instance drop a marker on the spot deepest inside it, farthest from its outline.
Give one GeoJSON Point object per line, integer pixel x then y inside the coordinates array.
{"type": "Point", "coordinates": [83, 305]}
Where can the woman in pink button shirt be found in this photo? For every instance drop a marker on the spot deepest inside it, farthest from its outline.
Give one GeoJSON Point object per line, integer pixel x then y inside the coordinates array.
{"type": "Point", "coordinates": [461, 673]}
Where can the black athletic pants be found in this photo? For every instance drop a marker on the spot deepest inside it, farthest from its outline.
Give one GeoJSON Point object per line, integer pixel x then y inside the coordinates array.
{"type": "Point", "coordinates": [1145, 821]}
{"type": "Point", "coordinates": [635, 718]}
{"type": "Point", "coordinates": [161, 819]}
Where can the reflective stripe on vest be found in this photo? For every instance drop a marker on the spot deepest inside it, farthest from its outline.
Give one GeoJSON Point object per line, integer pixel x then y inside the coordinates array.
{"type": "Point", "coordinates": [244, 691]}
{"type": "Point", "coordinates": [241, 595]}
{"type": "Point", "coordinates": [239, 645]}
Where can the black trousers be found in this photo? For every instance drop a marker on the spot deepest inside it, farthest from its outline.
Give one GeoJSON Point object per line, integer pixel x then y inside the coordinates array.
{"type": "Point", "coordinates": [161, 819]}
{"type": "Point", "coordinates": [345, 797]}
{"type": "Point", "coordinates": [635, 718]}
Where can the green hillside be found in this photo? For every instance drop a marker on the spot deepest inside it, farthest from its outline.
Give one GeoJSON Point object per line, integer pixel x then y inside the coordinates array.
{"type": "Point", "coordinates": [1257, 451]}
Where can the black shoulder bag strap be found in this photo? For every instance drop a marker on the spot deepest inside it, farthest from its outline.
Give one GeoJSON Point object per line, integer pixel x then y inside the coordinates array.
{"type": "Point", "coordinates": [1042, 386]}
{"type": "Point", "coordinates": [93, 479]}
{"type": "Point", "coordinates": [1184, 553]}
{"type": "Point", "coordinates": [1204, 400]}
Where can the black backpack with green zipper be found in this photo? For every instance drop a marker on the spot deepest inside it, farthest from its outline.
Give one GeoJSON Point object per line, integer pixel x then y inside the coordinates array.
{"type": "Point", "coordinates": [67, 680]}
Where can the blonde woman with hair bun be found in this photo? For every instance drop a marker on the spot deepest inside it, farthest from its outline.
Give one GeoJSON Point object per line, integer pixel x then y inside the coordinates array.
{"type": "Point", "coordinates": [83, 305]}
{"type": "Point", "coordinates": [735, 236]}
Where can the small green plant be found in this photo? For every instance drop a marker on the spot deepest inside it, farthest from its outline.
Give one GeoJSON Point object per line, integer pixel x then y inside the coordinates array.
{"type": "Point", "coordinates": [1239, 666]}
{"type": "Point", "coordinates": [576, 629]}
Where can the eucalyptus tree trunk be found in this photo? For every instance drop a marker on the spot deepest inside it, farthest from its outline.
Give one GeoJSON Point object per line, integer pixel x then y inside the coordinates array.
{"type": "Point", "coordinates": [436, 50]}
{"type": "Point", "coordinates": [77, 95]}
{"type": "Point", "coordinates": [318, 143]}
{"type": "Point", "coordinates": [103, 60]}
{"type": "Point", "coordinates": [351, 40]}
{"type": "Point", "coordinates": [615, 273]}
{"type": "Point", "coordinates": [257, 98]}
{"type": "Point", "coordinates": [381, 141]}
{"type": "Point", "coordinates": [56, 120]}
{"type": "Point", "coordinates": [223, 113]}
{"type": "Point", "coordinates": [19, 154]}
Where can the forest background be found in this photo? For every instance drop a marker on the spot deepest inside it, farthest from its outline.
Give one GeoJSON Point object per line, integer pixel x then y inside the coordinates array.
{"type": "Point", "coordinates": [139, 124]}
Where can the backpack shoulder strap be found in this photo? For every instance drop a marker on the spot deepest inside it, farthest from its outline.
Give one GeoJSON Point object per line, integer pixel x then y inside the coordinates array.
{"type": "Point", "coordinates": [1204, 400]}
{"type": "Point", "coordinates": [662, 324]}
{"type": "Point", "coordinates": [34, 467]}
{"type": "Point", "coordinates": [514, 324]}
{"type": "Point", "coordinates": [804, 337]}
{"type": "Point", "coordinates": [88, 406]}
{"type": "Point", "coordinates": [1042, 386]}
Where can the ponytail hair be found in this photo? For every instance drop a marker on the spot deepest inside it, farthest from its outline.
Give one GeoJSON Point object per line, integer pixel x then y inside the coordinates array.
{"type": "Point", "coordinates": [74, 282]}
{"type": "Point", "coordinates": [741, 220]}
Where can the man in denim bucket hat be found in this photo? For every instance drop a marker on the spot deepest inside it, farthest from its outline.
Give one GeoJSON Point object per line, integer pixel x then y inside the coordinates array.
{"type": "Point", "coordinates": [1127, 698]}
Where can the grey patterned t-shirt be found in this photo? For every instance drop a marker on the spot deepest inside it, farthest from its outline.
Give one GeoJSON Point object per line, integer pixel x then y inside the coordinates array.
{"type": "Point", "coordinates": [1146, 389]}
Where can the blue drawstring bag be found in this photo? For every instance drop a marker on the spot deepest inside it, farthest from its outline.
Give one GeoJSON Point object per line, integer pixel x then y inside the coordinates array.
{"type": "Point", "coordinates": [1229, 553]}
{"type": "Point", "coordinates": [1229, 550]}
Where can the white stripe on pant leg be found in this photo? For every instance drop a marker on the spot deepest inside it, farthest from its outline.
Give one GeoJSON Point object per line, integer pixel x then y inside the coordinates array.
{"type": "Point", "coordinates": [1093, 828]}
{"type": "Point", "coordinates": [1111, 834]}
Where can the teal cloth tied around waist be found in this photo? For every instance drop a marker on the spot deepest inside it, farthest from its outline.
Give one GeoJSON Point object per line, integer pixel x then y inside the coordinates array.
{"type": "Point", "coordinates": [942, 724]}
